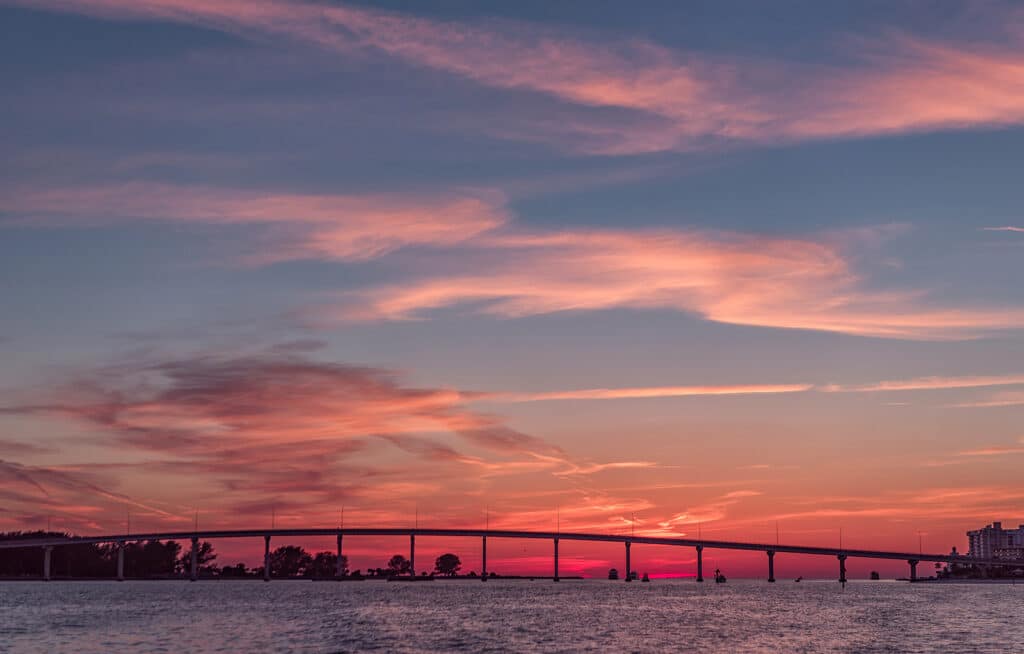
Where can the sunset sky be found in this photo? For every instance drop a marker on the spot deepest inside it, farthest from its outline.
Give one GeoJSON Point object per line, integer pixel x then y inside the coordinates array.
{"type": "Point", "coordinates": [730, 268]}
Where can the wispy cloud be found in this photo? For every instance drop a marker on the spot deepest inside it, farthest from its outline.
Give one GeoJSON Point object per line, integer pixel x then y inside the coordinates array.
{"type": "Point", "coordinates": [996, 400]}
{"type": "Point", "coordinates": [300, 226]}
{"type": "Point", "coordinates": [1003, 229]}
{"type": "Point", "coordinates": [929, 384]}
{"type": "Point", "coordinates": [889, 83]}
{"type": "Point", "coordinates": [645, 392]}
{"type": "Point", "coordinates": [741, 279]}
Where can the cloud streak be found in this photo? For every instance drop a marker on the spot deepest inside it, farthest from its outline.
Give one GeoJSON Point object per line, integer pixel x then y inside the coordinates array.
{"type": "Point", "coordinates": [740, 279]}
{"type": "Point", "coordinates": [299, 226]}
{"type": "Point", "coordinates": [930, 384]}
{"type": "Point", "coordinates": [672, 100]}
{"type": "Point", "coordinates": [644, 392]}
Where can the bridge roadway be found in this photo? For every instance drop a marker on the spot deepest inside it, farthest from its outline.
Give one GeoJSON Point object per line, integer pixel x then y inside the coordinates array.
{"type": "Point", "coordinates": [913, 558]}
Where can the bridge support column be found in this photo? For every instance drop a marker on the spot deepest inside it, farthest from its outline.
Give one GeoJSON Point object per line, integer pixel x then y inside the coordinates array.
{"type": "Point", "coordinates": [629, 573]}
{"type": "Point", "coordinates": [556, 560]}
{"type": "Point", "coordinates": [700, 563]}
{"type": "Point", "coordinates": [913, 569]}
{"type": "Point", "coordinates": [771, 566]}
{"type": "Point", "coordinates": [194, 572]}
{"type": "Point", "coordinates": [47, 551]}
{"type": "Point", "coordinates": [266, 558]}
{"type": "Point", "coordinates": [120, 561]}
{"type": "Point", "coordinates": [842, 568]}
{"type": "Point", "coordinates": [483, 577]}
{"type": "Point", "coordinates": [412, 555]}
{"type": "Point", "coordinates": [339, 565]}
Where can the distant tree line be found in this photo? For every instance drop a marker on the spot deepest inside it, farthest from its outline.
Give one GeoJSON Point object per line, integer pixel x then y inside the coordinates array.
{"type": "Point", "coordinates": [168, 559]}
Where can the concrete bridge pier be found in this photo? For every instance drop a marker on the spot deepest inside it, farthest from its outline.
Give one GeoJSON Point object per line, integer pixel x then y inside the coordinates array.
{"type": "Point", "coordinates": [556, 560]}
{"type": "Point", "coordinates": [771, 566]}
{"type": "Point", "coordinates": [266, 558]}
{"type": "Point", "coordinates": [483, 577]}
{"type": "Point", "coordinates": [339, 567]}
{"type": "Point", "coordinates": [120, 561]}
{"type": "Point", "coordinates": [842, 568]}
{"type": "Point", "coordinates": [700, 563]}
{"type": "Point", "coordinates": [194, 570]}
{"type": "Point", "coordinates": [913, 569]}
{"type": "Point", "coordinates": [47, 551]}
{"type": "Point", "coordinates": [412, 555]}
{"type": "Point", "coordinates": [629, 574]}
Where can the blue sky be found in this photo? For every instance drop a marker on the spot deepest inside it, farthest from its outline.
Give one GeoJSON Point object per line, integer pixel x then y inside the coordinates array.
{"type": "Point", "coordinates": [712, 213]}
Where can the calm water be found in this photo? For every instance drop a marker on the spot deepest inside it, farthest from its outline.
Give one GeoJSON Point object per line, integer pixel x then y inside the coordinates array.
{"type": "Point", "coordinates": [294, 616]}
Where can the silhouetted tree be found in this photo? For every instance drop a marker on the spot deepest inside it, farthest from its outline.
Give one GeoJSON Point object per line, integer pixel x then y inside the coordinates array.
{"type": "Point", "coordinates": [205, 558]}
{"type": "Point", "coordinates": [324, 565]}
{"type": "Point", "coordinates": [398, 565]}
{"type": "Point", "coordinates": [237, 570]}
{"type": "Point", "coordinates": [447, 565]}
{"type": "Point", "coordinates": [289, 561]}
{"type": "Point", "coordinates": [151, 559]}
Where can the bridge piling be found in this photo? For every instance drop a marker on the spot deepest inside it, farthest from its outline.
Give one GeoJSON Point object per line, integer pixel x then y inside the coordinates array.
{"type": "Point", "coordinates": [483, 577]}
{"type": "Point", "coordinates": [266, 557]}
{"type": "Point", "coordinates": [771, 566]}
{"type": "Point", "coordinates": [120, 560]}
{"type": "Point", "coordinates": [46, 562]}
{"type": "Point", "coordinates": [842, 568]}
{"type": "Point", "coordinates": [194, 572]}
{"type": "Point", "coordinates": [913, 569]}
{"type": "Point", "coordinates": [700, 563]}
{"type": "Point", "coordinates": [556, 560]}
{"type": "Point", "coordinates": [412, 555]}
{"type": "Point", "coordinates": [629, 574]}
{"type": "Point", "coordinates": [339, 566]}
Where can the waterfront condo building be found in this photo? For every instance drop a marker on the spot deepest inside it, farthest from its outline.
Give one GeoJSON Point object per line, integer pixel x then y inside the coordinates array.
{"type": "Point", "coordinates": [994, 542]}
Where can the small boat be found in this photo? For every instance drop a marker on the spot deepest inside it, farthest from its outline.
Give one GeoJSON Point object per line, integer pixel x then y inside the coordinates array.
{"type": "Point", "coordinates": [798, 580]}
{"type": "Point", "coordinates": [646, 578]}
{"type": "Point", "coordinates": [613, 574]}
{"type": "Point", "coordinates": [719, 577]}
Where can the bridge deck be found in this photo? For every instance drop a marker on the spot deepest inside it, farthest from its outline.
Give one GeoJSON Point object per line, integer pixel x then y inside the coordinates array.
{"type": "Point", "coordinates": [497, 533]}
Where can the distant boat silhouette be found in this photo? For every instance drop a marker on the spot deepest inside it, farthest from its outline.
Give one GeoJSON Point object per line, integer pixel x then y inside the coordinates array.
{"type": "Point", "coordinates": [613, 574]}
{"type": "Point", "coordinates": [719, 577]}
{"type": "Point", "coordinates": [798, 579]}
{"type": "Point", "coordinates": [646, 578]}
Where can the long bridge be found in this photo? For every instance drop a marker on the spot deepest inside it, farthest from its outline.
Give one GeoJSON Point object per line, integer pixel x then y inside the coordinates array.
{"type": "Point", "coordinates": [841, 554]}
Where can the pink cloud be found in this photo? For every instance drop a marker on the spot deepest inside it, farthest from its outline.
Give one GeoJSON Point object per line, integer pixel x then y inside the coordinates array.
{"type": "Point", "coordinates": [646, 392]}
{"type": "Point", "coordinates": [740, 279]}
{"type": "Point", "coordinates": [679, 100]}
{"type": "Point", "coordinates": [1007, 228]}
{"type": "Point", "coordinates": [351, 227]}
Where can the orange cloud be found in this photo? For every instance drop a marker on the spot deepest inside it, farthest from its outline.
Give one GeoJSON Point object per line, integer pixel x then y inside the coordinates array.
{"type": "Point", "coordinates": [351, 227]}
{"type": "Point", "coordinates": [645, 392]}
{"type": "Point", "coordinates": [731, 278]}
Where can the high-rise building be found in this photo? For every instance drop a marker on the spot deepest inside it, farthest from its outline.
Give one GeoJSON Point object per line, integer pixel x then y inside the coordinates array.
{"type": "Point", "coordinates": [994, 542]}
